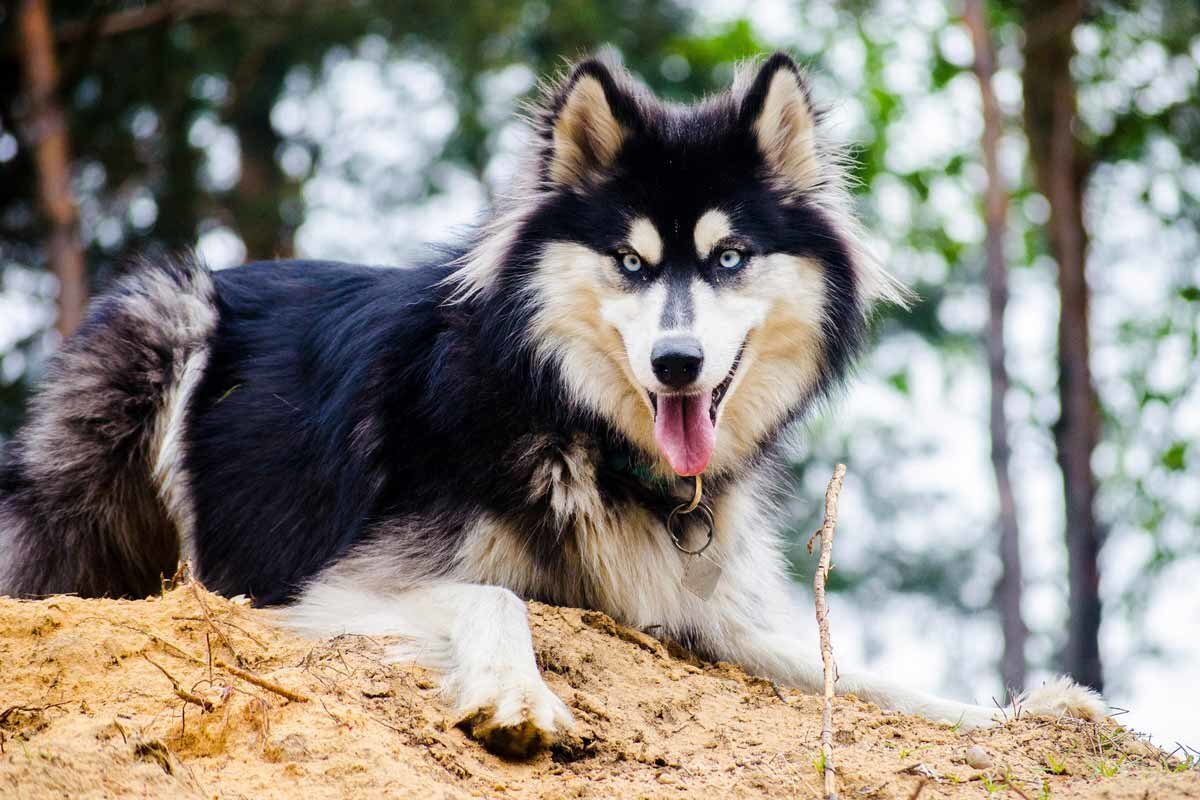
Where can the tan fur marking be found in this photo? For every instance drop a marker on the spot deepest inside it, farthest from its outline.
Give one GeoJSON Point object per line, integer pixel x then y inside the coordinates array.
{"type": "Point", "coordinates": [786, 131]}
{"type": "Point", "coordinates": [586, 134]}
{"type": "Point", "coordinates": [644, 238]}
{"type": "Point", "coordinates": [711, 228]}
{"type": "Point", "coordinates": [574, 282]}
{"type": "Point", "coordinates": [493, 553]}
{"type": "Point", "coordinates": [780, 364]}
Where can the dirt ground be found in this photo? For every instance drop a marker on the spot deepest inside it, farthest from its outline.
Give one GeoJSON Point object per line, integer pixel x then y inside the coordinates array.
{"type": "Point", "coordinates": [91, 706]}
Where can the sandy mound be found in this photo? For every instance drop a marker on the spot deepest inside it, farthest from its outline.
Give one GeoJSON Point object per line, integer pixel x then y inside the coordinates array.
{"type": "Point", "coordinates": [88, 709]}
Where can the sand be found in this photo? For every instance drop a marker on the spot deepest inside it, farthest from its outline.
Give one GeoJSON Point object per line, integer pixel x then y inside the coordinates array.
{"type": "Point", "coordinates": [89, 708]}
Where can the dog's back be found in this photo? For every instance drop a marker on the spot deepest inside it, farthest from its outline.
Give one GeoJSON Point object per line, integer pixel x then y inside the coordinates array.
{"type": "Point", "coordinates": [227, 419]}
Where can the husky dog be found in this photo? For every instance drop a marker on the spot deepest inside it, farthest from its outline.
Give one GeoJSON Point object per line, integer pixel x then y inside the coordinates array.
{"type": "Point", "coordinates": [413, 451]}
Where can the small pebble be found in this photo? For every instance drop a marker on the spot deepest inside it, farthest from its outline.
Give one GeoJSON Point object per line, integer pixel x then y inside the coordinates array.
{"type": "Point", "coordinates": [378, 689]}
{"type": "Point", "coordinates": [978, 758]}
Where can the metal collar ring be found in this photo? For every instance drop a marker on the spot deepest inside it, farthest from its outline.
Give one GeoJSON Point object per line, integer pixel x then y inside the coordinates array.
{"type": "Point", "coordinates": [676, 538]}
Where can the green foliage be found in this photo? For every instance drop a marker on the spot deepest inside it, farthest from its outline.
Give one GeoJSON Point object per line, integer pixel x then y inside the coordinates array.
{"type": "Point", "coordinates": [1108, 767]}
{"type": "Point", "coordinates": [1174, 458]}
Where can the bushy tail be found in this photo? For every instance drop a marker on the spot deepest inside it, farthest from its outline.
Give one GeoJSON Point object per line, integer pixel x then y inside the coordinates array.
{"type": "Point", "coordinates": [84, 504]}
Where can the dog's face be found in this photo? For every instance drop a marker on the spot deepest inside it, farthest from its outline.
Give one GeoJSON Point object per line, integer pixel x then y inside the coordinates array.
{"type": "Point", "coordinates": [689, 269]}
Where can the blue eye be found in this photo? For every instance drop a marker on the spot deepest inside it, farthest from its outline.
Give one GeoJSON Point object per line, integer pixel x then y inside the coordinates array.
{"type": "Point", "coordinates": [630, 262]}
{"type": "Point", "coordinates": [731, 259]}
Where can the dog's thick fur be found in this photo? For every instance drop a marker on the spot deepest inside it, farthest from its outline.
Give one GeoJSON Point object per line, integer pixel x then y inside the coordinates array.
{"type": "Point", "coordinates": [412, 451]}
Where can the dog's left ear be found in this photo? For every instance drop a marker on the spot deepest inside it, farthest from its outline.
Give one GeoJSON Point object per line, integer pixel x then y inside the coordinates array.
{"type": "Point", "coordinates": [589, 119]}
{"type": "Point", "coordinates": [777, 112]}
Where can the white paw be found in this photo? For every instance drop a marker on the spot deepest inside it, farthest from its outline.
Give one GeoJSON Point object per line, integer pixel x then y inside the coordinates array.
{"type": "Point", "coordinates": [1063, 697]}
{"type": "Point", "coordinates": [512, 712]}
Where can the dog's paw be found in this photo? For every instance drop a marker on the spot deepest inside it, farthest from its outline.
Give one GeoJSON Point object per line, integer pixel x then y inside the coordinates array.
{"type": "Point", "coordinates": [1063, 697]}
{"type": "Point", "coordinates": [514, 718]}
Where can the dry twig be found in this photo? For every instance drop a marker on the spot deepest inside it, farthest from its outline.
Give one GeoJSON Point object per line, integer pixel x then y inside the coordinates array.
{"type": "Point", "coordinates": [224, 621]}
{"type": "Point", "coordinates": [180, 692]}
{"type": "Point", "coordinates": [212, 624]}
{"type": "Point", "coordinates": [262, 683]}
{"type": "Point", "coordinates": [1012, 787]}
{"type": "Point", "coordinates": [830, 667]}
{"type": "Point", "coordinates": [6, 713]}
{"type": "Point", "coordinates": [248, 677]}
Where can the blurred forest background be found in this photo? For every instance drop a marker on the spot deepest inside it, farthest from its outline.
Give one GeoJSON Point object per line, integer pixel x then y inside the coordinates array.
{"type": "Point", "coordinates": [1023, 444]}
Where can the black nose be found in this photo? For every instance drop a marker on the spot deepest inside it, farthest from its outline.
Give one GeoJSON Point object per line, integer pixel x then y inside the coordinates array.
{"type": "Point", "coordinates": [677, 360]}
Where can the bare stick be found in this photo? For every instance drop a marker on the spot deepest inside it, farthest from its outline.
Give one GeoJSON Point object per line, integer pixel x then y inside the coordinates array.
{"type": "Point", "coordinates": [208, 618]}
{"type": "Point", "coordinates": [823, 566]}
{"type": "Point", "coordinates": [1013, 787]}
{"type": "Point", "coordinates": [6, 713]}
{"type": "Point", "coordinates": [262, 683]}
{"type": "Point", "coordinates": [227, 624]}
{"type": "Point", "coordinates": [180, 692]}
{"type": "Point", "coordinates": [249, 677]}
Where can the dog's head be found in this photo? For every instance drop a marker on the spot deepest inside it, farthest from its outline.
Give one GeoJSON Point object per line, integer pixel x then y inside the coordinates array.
{"type": "Point", "coordinates": [691, 271]}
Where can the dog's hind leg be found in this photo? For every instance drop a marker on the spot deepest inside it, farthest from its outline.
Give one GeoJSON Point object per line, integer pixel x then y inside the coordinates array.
{"type": "Point", "coordinates": [476, 636]}
{"type": "Point", "coordinates": [751, 621]}
{"type": "Point", "coordinates": [93, 498]}
{"type": "Point", "coordinates": [783, 657]}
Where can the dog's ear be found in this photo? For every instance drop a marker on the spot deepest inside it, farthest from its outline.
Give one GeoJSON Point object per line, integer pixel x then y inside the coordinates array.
{"type": "Point", "coordinates": [777, 112]}
{"type": "Point", "coordinates": [590, 117]}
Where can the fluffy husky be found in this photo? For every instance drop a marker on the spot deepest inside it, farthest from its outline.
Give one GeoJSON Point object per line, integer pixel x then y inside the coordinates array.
{"type": "Point", "coordinates": [413, 451]}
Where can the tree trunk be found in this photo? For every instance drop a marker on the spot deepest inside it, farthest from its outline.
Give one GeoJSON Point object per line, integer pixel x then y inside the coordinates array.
{"type": "Point", "coordinates": [263, 189]}
{"type": "Point", "coordinates": [1061, 170]}
{"type": "Point", "coordinates": [46, 133]}
{"type": "Point", "coordinates": [1009, 587]}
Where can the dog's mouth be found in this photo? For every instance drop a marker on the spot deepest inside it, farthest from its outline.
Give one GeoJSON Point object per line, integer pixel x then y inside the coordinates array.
{"type": "Point", "coordinates": [718, 392]}
{"type": "Point", "coordinates": [685, 424]}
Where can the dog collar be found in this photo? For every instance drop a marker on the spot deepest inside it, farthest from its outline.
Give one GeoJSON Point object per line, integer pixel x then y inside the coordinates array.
{"type": "Point", "coordinates": [625, 464]}
{"type": "Point", "coordinates": [661, 495]}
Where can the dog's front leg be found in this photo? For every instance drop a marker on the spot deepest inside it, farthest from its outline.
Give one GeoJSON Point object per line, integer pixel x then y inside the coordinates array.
{"type": "Point", "coordinates": [476, 636]}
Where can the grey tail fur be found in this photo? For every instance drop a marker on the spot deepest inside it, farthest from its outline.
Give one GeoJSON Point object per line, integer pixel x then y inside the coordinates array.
{"type": "Point", "coordinates": [92, 497]}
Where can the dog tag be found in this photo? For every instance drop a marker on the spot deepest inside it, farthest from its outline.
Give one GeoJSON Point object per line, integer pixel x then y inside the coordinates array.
{"type": "Point", "coordinates": [700, 576]}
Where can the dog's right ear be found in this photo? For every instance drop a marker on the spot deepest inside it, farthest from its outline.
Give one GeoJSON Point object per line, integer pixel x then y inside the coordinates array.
{"type": "Point", "coordinates": [589, 118]}
{"type": "Point", "coordinates": [779, 115]}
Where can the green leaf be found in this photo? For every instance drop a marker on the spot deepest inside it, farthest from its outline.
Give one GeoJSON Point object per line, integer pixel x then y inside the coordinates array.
{"type": "Point", "coordinates": [1176, 456]}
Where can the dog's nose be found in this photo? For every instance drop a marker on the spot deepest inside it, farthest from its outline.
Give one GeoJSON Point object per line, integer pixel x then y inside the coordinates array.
{"type": "Point", "coordinates": [677, 360]}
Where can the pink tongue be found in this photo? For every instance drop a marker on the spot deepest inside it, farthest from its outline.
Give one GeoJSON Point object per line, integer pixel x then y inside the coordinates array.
{"type": "Point", "coordinates": [684, 431]}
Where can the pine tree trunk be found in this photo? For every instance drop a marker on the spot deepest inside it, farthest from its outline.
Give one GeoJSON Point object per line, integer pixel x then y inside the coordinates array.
{"type": "Point", "coordinates": [46, 134]}
{"type": "Point", "coordinates": [1061, 171]}
{"type": "Point", "coordinates": [1009, 587]}
{"type": "Point", "coordinates": [263, 189]}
